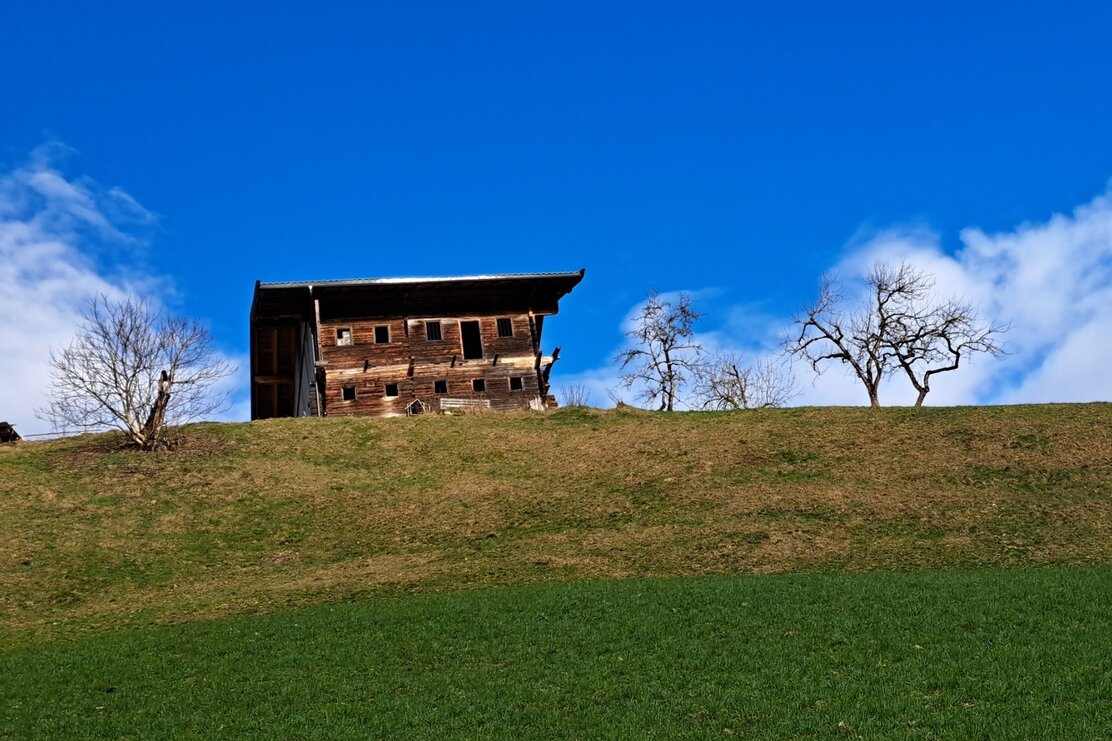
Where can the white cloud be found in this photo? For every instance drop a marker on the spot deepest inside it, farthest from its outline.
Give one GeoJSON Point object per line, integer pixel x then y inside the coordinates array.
{"type": "Point", "coordinates": [54, 234]}
{"type": "Point", "coordinates": [1051, 281]}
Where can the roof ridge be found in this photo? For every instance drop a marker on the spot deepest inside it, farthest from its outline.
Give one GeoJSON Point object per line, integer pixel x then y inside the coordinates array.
{"type": "Point", "coordinates": [420, 279]}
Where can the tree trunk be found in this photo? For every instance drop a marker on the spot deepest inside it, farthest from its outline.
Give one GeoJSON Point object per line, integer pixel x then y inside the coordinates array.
{"type": "Point", "coordinates": [921, 398]}
{"type": "Point", "coordinates": [671, 380]}
{"type": "Point", "coordinates": [152, 429]}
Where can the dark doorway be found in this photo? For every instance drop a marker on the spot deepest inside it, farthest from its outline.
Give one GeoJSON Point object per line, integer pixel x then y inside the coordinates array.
{"type": "Point", "coordinates": [276, 359]}
{"type": "Point", "coordinates": [472, 340]}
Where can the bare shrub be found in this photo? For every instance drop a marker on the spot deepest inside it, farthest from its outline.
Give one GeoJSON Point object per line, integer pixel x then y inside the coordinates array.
{"type": "Point", "coordinates": [728, 382]}
{"type": "Point", "coordinates": [575, 395]}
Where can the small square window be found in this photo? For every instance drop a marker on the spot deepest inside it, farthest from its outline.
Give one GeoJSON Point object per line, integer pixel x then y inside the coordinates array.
{"type": "Point", "coordinates": [348, 393]}
{"type": "Point", "coordinates": [343, 336]}
{"type": "Point", "coordinates": [480, 385]}
{"type": "Point", "coordinates": [382, 334]}
{"type": "Point", "coordinates": [440, 387]}
{"type": "Point", "coordinates": [432, 331]}
{"type": "Point", "coordinates": [505, 327]}
{"type": "Point", "coordinates": [517, 383]}
{"type": "Point", "coordinates": [391, 390]}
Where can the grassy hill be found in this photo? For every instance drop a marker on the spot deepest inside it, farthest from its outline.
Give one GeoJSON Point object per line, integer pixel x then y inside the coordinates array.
{"type": "Point", "coordinates": [357, 578]}
{"type": "Point", "coordinates": [265, 516]}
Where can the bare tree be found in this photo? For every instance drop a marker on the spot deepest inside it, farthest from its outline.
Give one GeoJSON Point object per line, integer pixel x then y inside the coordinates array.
{"type": "Point", "coordinates": [925, 344]}
{"type": "Point", "coordinates": [899, 325]}
{"type": "Point", "coordinates": [728, 382]}
{"type": "Point", "coordinates": [576, 395]}
{"type": "Point", "coordinates": [827, 331]}
{"type": "Point", "coordinates": [664, 355]}
{"type": "Point", "coordinates": [135, 368]}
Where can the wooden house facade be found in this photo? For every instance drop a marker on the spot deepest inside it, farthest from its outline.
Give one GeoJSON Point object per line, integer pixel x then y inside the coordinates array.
{"type": "Point", "coordinates": [398, 346]}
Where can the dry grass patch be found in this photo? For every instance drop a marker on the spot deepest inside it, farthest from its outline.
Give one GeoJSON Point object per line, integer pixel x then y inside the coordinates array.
{"type": "Point", "coordinates": [243, 518]}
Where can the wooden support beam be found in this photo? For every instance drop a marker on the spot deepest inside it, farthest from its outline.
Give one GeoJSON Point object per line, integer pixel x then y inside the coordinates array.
{"type": "Point", "coordinates": [319, 349]}
{"type": "Point", "coordinates": [545, 385]}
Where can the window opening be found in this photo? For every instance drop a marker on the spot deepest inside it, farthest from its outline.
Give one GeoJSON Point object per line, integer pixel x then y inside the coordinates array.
{"type": "Point", "coordinates": [440, 387]}
{"type": "Point", "coordinates": [432, 331]}
{"type": "Point", "coordinates": [343, 336]}
{"type": "Point", "coordinates": [382, 334]}
{"type": "Point", "coordinates": [472, 340]}
{"type": "Point", "coordinates": [391, 390]}
{"type": "Point", "coordinates": [505, 327]}
{"type": "Point", "coordinates": [517, 383]}
{"type": "Point", "coordinates": [480, 385]}
{"type": "Point", "coordinates": [348, 393]}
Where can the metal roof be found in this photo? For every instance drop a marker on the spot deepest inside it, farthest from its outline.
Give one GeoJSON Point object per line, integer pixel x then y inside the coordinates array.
{"type": "Point", "coordinates": [430, 279]}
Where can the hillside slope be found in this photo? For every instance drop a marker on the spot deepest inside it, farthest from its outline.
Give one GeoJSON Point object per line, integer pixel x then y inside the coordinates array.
{"type": "Point", "coordinates": [257, 517]}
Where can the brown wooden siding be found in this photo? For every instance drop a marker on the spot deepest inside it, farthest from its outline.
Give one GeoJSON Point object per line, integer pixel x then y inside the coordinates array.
{"type": "Point", "coordinates": [415, 363]}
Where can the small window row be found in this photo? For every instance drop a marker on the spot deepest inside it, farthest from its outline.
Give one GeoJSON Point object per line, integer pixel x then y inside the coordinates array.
{"type": "Point", "coordinates": [440, 387]}
{"type": "Point", "coordinates": [434, 332]}
{"type": "Point", "coordinates": [344, 335]}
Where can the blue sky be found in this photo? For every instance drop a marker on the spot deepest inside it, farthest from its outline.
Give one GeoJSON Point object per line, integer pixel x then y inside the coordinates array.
{"type": "Point", "coordinates": [738, 150]}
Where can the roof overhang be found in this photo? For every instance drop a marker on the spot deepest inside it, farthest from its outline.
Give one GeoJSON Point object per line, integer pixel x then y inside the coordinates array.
{"type": "Point", "coordinates": [416, 297]}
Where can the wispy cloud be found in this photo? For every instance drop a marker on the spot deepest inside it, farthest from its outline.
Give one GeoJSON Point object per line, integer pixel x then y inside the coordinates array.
{"type": "Point", "coordinates": [56, 235]}
{"type": "Point", "coordinates": [1051, 281]}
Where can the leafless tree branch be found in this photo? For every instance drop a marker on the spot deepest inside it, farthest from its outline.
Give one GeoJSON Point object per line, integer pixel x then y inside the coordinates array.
{"type": "Point", "coordinates": [899, 326]}
{"type": "Point", "coordinates": [728, 382]}
{"type": "Point", "coordinates": [664, 356]}
{"type": "Point", "coordinates": [134, 368]}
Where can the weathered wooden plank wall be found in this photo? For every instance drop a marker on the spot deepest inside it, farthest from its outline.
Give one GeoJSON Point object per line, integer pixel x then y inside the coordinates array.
{"type": "Point", "coordinates": [415, 363]}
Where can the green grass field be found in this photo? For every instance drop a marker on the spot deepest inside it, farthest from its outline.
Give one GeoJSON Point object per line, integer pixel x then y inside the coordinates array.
{"type": "Point", "coordinates": [998, 654]}
{"type": "Point", "coordinates": [813, 572]}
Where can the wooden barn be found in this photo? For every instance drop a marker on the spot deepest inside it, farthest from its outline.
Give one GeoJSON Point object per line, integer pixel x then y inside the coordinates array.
{"type": "Point", "coordinates": [397, 346]}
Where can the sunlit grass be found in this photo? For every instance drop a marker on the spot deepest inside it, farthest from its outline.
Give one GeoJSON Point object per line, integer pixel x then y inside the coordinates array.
{"type": "Point", "coordinates": [287, 513]}
{"type": "Point", "coordinates": [996, 654]}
